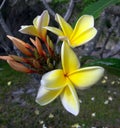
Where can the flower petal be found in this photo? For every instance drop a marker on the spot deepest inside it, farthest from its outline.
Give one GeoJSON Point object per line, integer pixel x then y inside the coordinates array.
{"type": "Point", "coordinates": [54, 79]}
{"type": "Point", "coordinates": [70, 100]}
{"type": "Point", "coordinates": [84, 37]}
{"type": "Point", "coordinates": [55, 30]}
{"type": "Point", "coordinates": [66, 28]}
{"type": "Point", "coordinates": [84, 23]}
{"type": "Point", "coordinates": [43, 21]}
{"type": "Point", "coordinates": [45, 96]}
{"type": "Point", "coordinates": [86, 77]}
{"type": "Point", "coordinates": [35, 21]}
{"type": "Point", "coordinates": [30, 30]}
{"type": "Point", "coordinates": [69, 59]}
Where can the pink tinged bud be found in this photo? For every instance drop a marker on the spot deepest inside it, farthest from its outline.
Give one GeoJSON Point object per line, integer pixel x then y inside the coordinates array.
{"type": "Point", "coordinates": [19, 67]}
{"type": "Point", "coordinates": [21, 45]}
{"type": "Point", "coordinates": [18, 58]}
{"type": "Point", "coordinates": [6, 58]}
{"type": "Point", "coordinates": [38, 46]}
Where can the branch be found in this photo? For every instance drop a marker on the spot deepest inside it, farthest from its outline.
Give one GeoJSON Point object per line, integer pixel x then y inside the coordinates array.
{"type": "Point", "coordinates": [5, 27]}
{"type": "Point", "coordinates": [69, 10]}
{"type": "Point", "coordinates": [2, 4]}
{"type": "Point", "coordinates": [117, 52]}
{"type": "Point", "coordinates": [48, 8]}
{"type": "Point", "coordinates": [7, 31]}
{"type": "Point", "coordinates": [108, 36]}
{"type": "Point", "coordinates": [99, 29]}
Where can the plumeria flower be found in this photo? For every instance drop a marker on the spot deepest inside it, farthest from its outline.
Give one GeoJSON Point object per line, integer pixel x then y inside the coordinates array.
{"type": "Point", "coordinates": [37, 28]}
{"type": "Point", "coordinates": [62, 82]}
{"type": "Point", "coordinates": [83, 32]}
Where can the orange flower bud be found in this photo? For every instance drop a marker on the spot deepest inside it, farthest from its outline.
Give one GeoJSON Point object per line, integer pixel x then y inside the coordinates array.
{"type": "Point", "coordinates": [21, 45]}
{"type": "Point", "coordinates": [17, 58]}
{"type": "Point", "coordinates": [38, 46]}
{"type": "Point", "coordinates": [6, 58]}
{"type": "Point", "coordinates": [19, 67]}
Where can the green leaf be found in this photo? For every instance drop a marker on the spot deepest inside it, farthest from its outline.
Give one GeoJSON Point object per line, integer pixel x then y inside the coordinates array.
{"type": "Point", "coordinates": [108, 62]}
{"type": "Point", "coordinates": [96, 8]}
{"type": "Point", "coordinates": [59, 1]}
{"type": "Point", "coordinates": [112, 70]}
{"type": "Point", "coordinates": [112, 65]}
{"type": "Point", "coordinates": [84, 59]}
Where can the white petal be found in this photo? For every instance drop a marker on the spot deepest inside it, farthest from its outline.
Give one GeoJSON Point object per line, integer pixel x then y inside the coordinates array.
{"type": "Point", "coordinates": [66, 28]}
{"type": "Point", "coordinates": [84, 23]}
{"type": "Point", "coordinates": [86, 77]}
{"type": "Point", "coordinates": [69, 59]}
{"type": "Point", "coordinates": [70, 100]}
{"type": "Point", "coordinates": [29, 29]}
{"type": "Point", "coordinates": [54, 79]}
{"type": "Point", "coordinates": [45, 96]}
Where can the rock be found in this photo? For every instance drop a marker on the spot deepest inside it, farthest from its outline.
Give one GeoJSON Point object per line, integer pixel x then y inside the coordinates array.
{"type": "Point", "coordinates": [31, 90]}
{"type": "Point", "coordinates": [18, 92]}
{"type": "Point", "coordinates": [16, 100]}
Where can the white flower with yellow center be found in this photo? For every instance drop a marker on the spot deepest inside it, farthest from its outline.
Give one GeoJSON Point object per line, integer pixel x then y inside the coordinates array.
{"type": "Point", "coordinates": [62, 82]}
{"type": "Point", "coordinates": [83, 32]}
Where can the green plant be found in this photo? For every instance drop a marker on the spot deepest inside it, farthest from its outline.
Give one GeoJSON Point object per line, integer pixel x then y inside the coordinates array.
{"type": "Point", "coordinates": [96, 8]}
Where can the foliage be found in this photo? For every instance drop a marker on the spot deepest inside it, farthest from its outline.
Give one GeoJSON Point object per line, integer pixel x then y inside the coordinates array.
{"type": "Point", "coordinates": [58, 4]}
{"type": "Point", "coordinates": [86, 2]}
{"type": "Point", "coordinates": [112, 65]}
{"type": "Point", "coordinates": [59, 1]}
{"type": "Point", "coordinates": [7, 75]}
{"type": "Point", "coordinates": [97, 7]}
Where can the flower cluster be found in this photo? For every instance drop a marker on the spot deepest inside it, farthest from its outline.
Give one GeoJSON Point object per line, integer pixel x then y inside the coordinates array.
{"type": "Point", "coordinates": [35, 59]}
{"type": "Point", "coordinates": [57, 81]}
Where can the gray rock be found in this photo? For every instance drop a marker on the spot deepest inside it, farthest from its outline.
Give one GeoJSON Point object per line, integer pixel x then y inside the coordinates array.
{"type": "Point", "coordinates": [18, 92]}
{"type": "Point", "coordinates": [31, 90]}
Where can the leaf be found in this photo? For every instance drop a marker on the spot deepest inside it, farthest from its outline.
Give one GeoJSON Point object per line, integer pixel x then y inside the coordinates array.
{"type": "Point", "coordinates": [113, 70]}
{"type": "Point", "coordinates": [84, 59]}
{"type": "Point", "coordinates": [113, 62]}
{"type": "Point", "coordinates": [60, 1]}
{"type": "Point", "coordinates": [112, 65]}
{"type": "Point", "coordinates": [96, 8]}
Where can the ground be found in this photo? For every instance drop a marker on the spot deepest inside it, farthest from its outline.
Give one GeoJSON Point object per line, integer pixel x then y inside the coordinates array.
{"type": "Point", "coordinates": [100, 104]}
